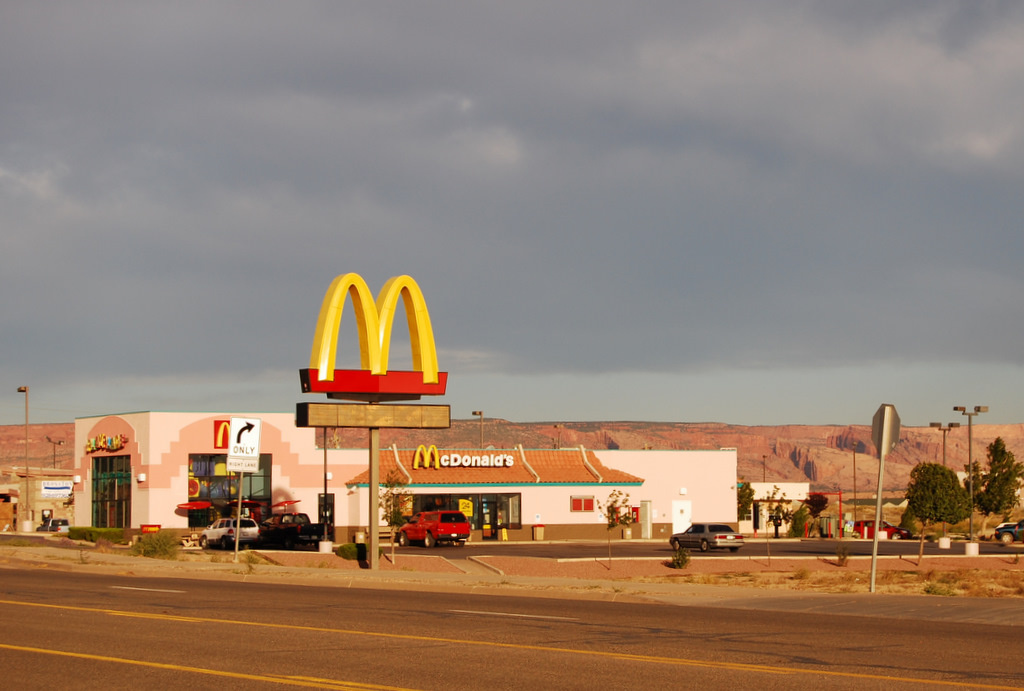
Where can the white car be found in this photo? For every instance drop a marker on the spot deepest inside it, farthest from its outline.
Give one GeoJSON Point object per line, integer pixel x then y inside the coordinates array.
{"type": "Point", "coordinates": [221, 533]}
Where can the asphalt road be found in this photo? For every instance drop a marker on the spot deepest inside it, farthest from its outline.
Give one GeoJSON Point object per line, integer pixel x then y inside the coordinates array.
{"type": "Point", "coordinates": [119, 632]}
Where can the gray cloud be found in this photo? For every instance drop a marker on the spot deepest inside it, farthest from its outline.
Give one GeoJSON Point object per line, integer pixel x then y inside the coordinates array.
{"type": "Point", "coordinates": [662, 190]}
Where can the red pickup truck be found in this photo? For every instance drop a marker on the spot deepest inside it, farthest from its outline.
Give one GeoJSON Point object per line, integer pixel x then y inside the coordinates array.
{"type": "Point", "coordinates": [432, 527]}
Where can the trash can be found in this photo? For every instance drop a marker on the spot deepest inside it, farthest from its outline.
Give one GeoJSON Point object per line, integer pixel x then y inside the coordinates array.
{"type": "Point", "coordinates": [538, 532]}
{"type": "Point", "coordinates": [627, 533]}
{"type": "Point", "coordinates": [360, 538]}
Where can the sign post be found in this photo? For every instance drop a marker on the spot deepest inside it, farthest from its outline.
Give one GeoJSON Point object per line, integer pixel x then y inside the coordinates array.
{"type": "Point", "coordinates": [885, 432]}
{"type": "Point", "coordinates": [374, 383]}
{"type": "Point", "coordinates": [243, 457]}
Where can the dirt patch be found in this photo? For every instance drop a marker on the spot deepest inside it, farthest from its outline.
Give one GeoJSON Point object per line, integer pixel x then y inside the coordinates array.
{"type": "Point", "coordinates": [403, 562]}
{"type": "Point", "coordinates": [973, 576]}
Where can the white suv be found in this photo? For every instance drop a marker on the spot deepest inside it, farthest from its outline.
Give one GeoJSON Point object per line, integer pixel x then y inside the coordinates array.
{"type": "Point", "coordinates": [221, 533]}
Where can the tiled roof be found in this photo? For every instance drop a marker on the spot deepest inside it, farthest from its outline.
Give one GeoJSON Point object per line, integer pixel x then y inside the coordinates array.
{"type": "Point", "coordinates": [561, 466]}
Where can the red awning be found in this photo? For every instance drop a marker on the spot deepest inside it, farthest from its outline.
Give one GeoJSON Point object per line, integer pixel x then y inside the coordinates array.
{"type": "Point", "coordinates": [195, 505]}
{"type": "Point", "coordinates": [287, 502]}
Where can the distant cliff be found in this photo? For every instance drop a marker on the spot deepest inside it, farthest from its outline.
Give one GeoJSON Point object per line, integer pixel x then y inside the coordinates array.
{"type": "Point", "coordinates": [820, 454]}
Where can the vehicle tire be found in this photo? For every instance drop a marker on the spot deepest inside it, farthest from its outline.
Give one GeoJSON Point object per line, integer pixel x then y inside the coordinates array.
{"type": "Point", "coordinates": [675, 545]}
{"type": "Point", "coordinates": [403, 540]}
{"type": "Point", "coordinates": [896, 536]}
{"type": "Point", "coordinates": [227, 543]}
{"type": "Point", "coordinates": [704, 546]}
{"type": "Point", "coordinates": [429, 541]}
{"type": "Point", "coordinates": [289, 542]}
{"type": "Point", "coordinates": [203, 542]}
{"type": "Point", "coordinates": [1006, 538]}
{"type": "Point", "coordinates": [734, 549]}
{"type": "Point", "coordinates": [460, 543]}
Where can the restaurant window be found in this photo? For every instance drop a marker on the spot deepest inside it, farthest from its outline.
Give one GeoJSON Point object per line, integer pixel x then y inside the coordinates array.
{"type": "Point", "coordinates": [581, 504]}
{"type": "Point", "coordinates": [210, 481]}
{"type": "Point", "coordinates": [504, 510]}
{"type": "Point", "coordinates": [112, 492]}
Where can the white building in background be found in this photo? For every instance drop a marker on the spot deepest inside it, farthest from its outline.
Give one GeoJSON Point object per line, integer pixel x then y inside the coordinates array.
{"type": "Point", "coordinates": [170, 470]}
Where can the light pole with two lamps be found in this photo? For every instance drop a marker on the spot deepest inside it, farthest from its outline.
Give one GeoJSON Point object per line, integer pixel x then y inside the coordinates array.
{"type": "Point", "coordinates": [26, 520]}
{"type": "Point", "coordinates": [59, 442]}
{"type": "Point", "coordinates": [978, 409]}
{"type": "Point", "coordinates": [945, 431]}
{"type": "Point", "coordinates": [480, 413]}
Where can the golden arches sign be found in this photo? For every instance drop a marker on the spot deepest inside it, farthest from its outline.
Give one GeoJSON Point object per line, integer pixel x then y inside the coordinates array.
{"type": "Point", "coordinates": [426, 456]}
{"type": "Point", "coordinates": [374, 320]}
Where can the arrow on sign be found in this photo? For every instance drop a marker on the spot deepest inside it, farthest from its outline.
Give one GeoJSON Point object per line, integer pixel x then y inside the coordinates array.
{"type": "Point", "coordinates": [249, 427]}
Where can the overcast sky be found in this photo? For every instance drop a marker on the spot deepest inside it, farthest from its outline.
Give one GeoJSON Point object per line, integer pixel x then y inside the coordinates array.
{"type": "Point", "coordinates": [753, 213]}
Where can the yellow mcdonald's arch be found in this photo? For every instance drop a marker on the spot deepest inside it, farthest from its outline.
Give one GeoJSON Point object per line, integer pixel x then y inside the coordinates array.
{"type": "Point", "coordinates": [221, 432]}
{"type": "Point", "coordinates": [425, 456]}
{"type": "Point", "coordinates": [374, 320]}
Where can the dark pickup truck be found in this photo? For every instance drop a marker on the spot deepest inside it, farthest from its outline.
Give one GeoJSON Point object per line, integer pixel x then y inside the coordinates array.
{"type": "Point", "coordinates": [54, 525]}
{"type": "Point", "coordinates": [289, 530]}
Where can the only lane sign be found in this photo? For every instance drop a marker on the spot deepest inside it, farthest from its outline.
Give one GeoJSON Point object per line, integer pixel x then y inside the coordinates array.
{"type": "Point", "coordinates": [244, 445]}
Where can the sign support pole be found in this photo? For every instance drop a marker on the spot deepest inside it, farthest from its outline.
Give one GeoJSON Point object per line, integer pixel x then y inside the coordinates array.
{"type": "Point", "coordinates": [238, 514]}
{"type": "Point", "coordinates": [885, 431]}
{"type": "Point", "coordinates": [374, 489]}
{"type": "Point", "coordinates": [324, 517]}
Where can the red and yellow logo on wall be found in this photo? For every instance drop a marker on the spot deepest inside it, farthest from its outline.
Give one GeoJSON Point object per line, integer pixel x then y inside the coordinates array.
{"type": "Point", "coordinates": [426, 456]}
{"type": "Point", "coordinates": [221, 433]}
{"type": "Point", "coordinates": [106, 442]}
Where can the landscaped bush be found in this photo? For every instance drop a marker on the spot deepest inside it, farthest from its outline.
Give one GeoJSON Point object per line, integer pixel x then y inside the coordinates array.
{"type": "Point", "coordinates": [680, 558]}
{"type": "Point", "coordinates": [90, 534]}
{"type": "Point", "coordinates": [354, 552]}
{"type": "Point", "coordinates": [842, 553]}
{"type": "Point", "coordinates": [160, 545]}
{"type": "Point", "coordinates": [349, 551]}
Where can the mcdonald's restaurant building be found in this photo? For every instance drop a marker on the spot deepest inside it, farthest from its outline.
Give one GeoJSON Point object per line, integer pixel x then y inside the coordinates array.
{"type": "Point", "coordinates": [170, 470]}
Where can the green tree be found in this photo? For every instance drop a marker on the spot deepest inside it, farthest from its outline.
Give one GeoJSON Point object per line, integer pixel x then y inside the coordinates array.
{"type": "Point", "coordinates": [816, 503]}
{"type": "Point", "coordinates": [617, 512]}
{"type": "Point", "coordinates": [798, 521]}
{"type": "Point", "coordinates": [935, 495]}
{"type": "Point", "coordinates": [996, 492]}
{"type": "Point", "coordinates": [392, 501]}
{"type": "Point", "coordinates": [744, 497]}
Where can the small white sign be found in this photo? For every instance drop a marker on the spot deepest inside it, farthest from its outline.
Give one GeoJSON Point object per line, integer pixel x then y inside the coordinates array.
{"type": "Point", "coordinates": [56, 489]}
{"type": "Point", "coordinates": [244, 445]}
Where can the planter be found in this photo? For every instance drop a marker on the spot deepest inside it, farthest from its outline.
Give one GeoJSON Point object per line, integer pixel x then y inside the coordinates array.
{"type": "Point", "coordinates": [971, 549]}
{"type": "Point", "coordinates": [944, 543]}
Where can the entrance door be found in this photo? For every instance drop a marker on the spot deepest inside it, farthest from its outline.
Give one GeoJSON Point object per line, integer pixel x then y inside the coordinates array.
{"type": "Point", "coordinates": [646, 520]}
{"type": "Point", "coordinates": [489, 516]}
{"type": "Point", "coordinates": [682, 515]}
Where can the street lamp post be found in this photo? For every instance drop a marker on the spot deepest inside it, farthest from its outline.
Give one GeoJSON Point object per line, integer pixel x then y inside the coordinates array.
{"type": "Point", "coordinates": [558, 439]}
{"type": "Point", "coordinates": [854, 483]}
{"type": "Point", "coordinates": [59, 442]}
{"type": "Point", "coordinates": [27, 519]}
{"type": "Point", "coordinates": [944, 430]}
{"type": "Point", "coordinates": [480, 413]}
{"type": "Point", "coordinates": [970, 457]}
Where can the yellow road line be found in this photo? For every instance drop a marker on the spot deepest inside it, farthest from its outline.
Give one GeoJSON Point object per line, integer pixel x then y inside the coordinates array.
{"type": "Point", "coordinates": [313, 682]}
{"type": "Point", "coordinates": [683, 662]}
